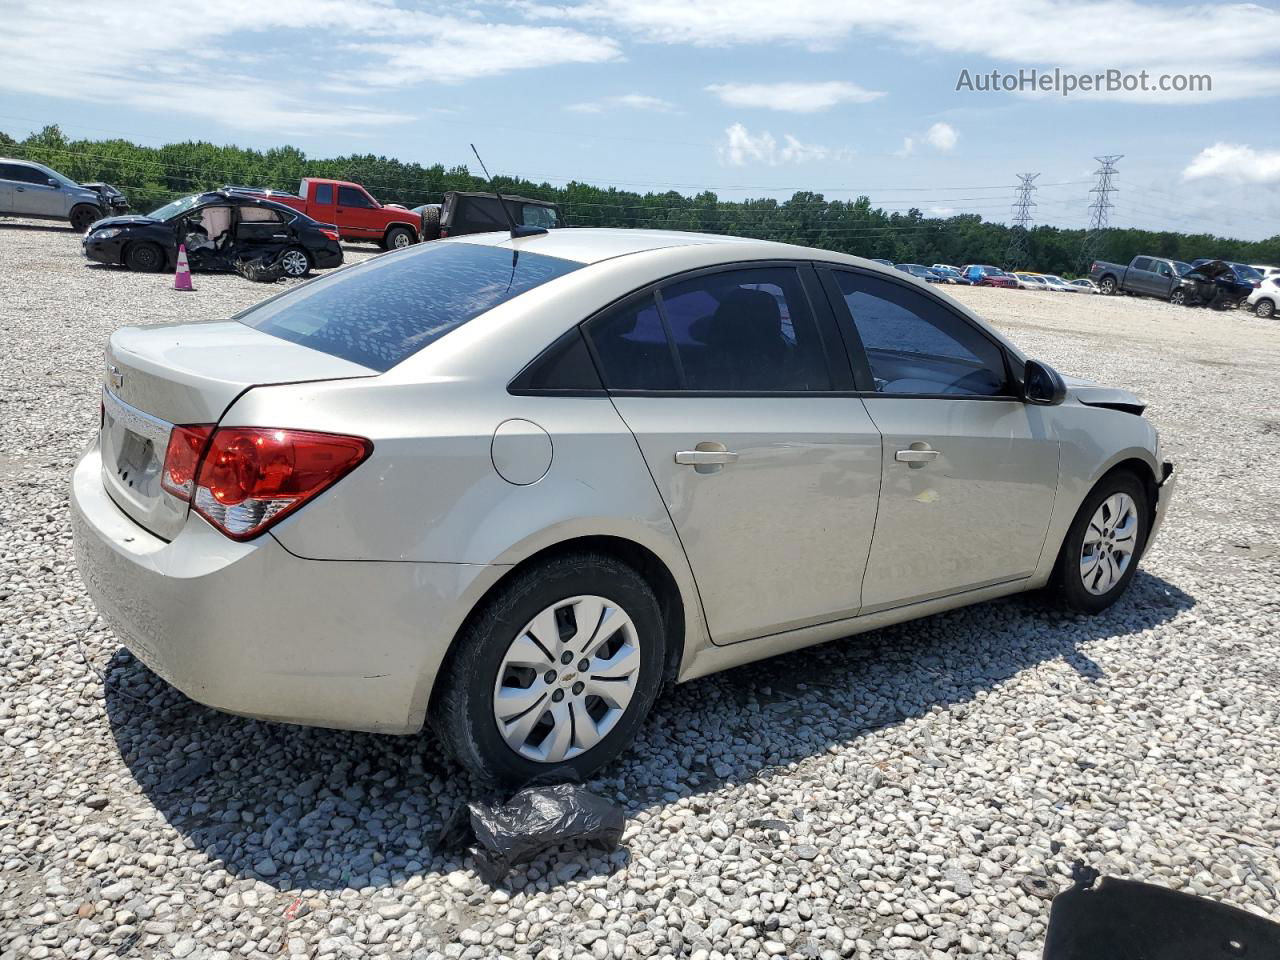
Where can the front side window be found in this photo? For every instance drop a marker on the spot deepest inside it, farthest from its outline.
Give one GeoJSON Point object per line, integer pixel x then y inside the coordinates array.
{"type": "Point", "coordinates": [25, 174]}
{"type": "Point", "coordinates": [384, 310]}
{"type": "Point", "coordinates": [351, 197]}
{"type": "Point", "coordinates": [916, 346]}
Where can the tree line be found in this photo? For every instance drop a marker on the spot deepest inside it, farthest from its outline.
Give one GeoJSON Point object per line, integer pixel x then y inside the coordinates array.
{"type": "Point", "coordinates": [152, 176]}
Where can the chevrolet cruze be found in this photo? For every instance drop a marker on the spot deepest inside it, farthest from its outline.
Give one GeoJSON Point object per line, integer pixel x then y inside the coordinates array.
{"type": "Point", "coordinates": [511, 486]}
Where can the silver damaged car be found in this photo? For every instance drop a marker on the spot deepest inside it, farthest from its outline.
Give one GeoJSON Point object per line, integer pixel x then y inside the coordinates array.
{"type": "Point", "coordinates": [510, 486]}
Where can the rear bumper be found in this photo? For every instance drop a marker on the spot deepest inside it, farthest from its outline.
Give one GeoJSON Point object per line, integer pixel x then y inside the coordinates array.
{"type": "Point", "coordinates": [1168, 483]}
{"type": "Point", "coordinates": [327, 257]}
{"type": "Point", "coordinates": [252, 629]}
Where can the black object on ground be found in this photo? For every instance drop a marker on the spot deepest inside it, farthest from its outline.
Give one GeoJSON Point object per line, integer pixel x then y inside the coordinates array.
{"type": "Point", "coordinates": [263, 269]}
{"type": "Point", "coordinates": [1126, 920]}
{"type": "Point", "coordinates": [533, 821]}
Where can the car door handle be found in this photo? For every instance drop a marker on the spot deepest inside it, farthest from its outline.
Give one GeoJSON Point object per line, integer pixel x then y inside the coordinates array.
{"type": "Point", "coordinates": [21, 189]}
{"type": "Point", "coordinates": [279, 236]}
{"type": "Point", "coordinates": [915, 456]}
{"type": "Point", "coordinates": [703, 458]}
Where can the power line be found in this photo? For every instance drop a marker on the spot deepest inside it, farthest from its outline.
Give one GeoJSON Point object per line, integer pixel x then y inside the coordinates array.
{"type": "Point", "coordinates": [1099, 208]}
{"type": "Point", "coordinates": [1022, 205]}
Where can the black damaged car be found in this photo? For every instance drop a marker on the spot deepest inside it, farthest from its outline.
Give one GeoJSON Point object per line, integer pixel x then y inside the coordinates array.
{"type": "Point", "coordinates": [220, 230]}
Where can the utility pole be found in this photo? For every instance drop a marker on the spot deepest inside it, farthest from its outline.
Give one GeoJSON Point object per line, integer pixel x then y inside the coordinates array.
{"type": "Point", "coordinates": [1018, 250]}
{"type": "Point", "coordinates": [1098, 209]}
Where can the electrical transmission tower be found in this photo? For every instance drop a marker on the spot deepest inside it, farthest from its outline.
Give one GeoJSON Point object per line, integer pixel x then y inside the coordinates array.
{"type": "Point", "coordinates": [1098, 209]}
{"type": "Point", "coordinates": [1018, 251]}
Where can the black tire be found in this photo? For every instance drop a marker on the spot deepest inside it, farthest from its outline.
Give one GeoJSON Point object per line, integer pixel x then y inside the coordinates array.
{"type": "Point", "coordinates": [398, 238]}
{"type": "Point", "coordinates": [1178, 297]}
{"type": "Point", "coordinates": [462, 713]}
{"type": "Point", "coordinates": [1265, 308]}
{"type": "Point", "coordinates": [290, 264]}
{"type": "Point", "coordinates": [431, 223]}
{"type": "Point", "coordinates": [1107, 286]}
{"type": "Point", "coordinates": [144, 257]}
{"type": "Point", "coordinates": [1068, 584]}
{"type": "Point", "coordinates": [83, 216]}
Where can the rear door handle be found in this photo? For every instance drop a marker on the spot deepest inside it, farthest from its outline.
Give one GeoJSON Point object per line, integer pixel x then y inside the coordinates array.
{"type": "Point", "coordinates": [915, 456]}
{"type": "Point", "coordinates": [702, 458]}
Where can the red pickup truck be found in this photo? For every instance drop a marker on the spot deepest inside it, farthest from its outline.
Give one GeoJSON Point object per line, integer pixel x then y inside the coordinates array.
{"type": "Point", "coordinates": [350, 207]}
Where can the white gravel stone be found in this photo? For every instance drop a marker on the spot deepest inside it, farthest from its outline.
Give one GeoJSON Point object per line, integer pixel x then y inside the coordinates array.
{"type": "Point", "coordinates": [897, 794]}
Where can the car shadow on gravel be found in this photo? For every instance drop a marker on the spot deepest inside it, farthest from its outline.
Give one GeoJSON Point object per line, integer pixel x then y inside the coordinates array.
{"type": "Point", "coordinates": [308, 808]}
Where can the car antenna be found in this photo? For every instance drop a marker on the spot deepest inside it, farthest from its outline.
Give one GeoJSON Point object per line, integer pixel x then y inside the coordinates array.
{"type": "Point", "coordinates": [517, 230]}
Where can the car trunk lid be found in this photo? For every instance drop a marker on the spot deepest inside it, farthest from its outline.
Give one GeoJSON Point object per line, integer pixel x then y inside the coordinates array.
{"type": "Point", "coordinates": [161, 376]}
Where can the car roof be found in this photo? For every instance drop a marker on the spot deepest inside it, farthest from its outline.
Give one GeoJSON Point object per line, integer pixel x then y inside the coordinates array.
{"type": "Point", "coordinates": [594, 244]}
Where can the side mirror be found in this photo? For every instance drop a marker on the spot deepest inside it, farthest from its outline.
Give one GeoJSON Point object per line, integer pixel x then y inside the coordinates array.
{"type": "Point", "coordinates": [54, 183]}
{"type": "Point", "coordinates": [1042, 385]}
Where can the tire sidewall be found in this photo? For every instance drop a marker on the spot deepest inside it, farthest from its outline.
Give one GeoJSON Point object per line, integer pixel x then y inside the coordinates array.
{"type": "Point", "coordinates": [466, 719]}
{"type": "Point", "coordinates": [1070, 586]}
{"type": "Point", "coordinates": [1267, 306]}
{"type": "Point", "coordinates": [77, 213]}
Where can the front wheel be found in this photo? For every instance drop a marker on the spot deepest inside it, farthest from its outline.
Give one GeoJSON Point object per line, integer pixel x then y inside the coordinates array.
{"type": "Point", "coordinates": [558, 670]}
{"type": "Point", "coordinates": [144, 257]}
{"type": "Point", "coordinates": [1100, 554]}
{"type": "Point", "coordinates": [1178, 297]}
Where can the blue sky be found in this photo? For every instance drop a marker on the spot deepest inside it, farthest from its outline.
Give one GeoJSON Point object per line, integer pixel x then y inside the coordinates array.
{"type": "Point", "coordinates": [750, 98]}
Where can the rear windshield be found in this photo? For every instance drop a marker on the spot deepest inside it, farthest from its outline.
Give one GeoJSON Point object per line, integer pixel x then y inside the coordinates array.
{"type": "Point", "coordinates": [386, 309]}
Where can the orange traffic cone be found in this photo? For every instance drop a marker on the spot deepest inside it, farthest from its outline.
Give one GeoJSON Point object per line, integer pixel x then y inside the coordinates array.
{"type": "Point", "coordinates": [182, 279]}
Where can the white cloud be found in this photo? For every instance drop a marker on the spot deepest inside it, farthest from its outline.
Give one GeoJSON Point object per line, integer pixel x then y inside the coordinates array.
{"type": "Point", "coordinates": [1236, 162]}
{"type": "Point", "coordinates": [793, 97]}
{"type": "Point", "coordinates": [942, 137]}
{"type": "Point", "coordinates": [632, 101]}
{"type": "Point", "coordinates": [126, 54]}
{"type": "Point", "coordinates": [1237, 43]}
{"type": "Point", "coordinates": [740, 147]}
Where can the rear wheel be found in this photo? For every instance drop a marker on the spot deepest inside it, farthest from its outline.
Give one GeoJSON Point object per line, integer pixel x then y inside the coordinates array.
{"type": "Point", "coordinates": [144, 257]}
{"type": "Point", "coordinates": [1100, 554]}
{"type": "Point", "coordinates": [295, 263]}
{"type": "Point", "coordinates": [557, 670]}
{"type": "Point", "coordinates": [398, 238]}
{"type": "Point", "coordinates": [1265, 308]}
{"type": "Point", "coordinates": [83, 216]}
{"type": "Point", "coordinates": [1107, 285]}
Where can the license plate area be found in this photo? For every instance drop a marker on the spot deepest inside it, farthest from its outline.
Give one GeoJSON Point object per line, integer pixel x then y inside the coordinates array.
{"type": "Point", "coordinates": [133, 446]}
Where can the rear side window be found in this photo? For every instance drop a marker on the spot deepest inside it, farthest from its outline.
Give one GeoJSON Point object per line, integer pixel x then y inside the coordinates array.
{"type": "Point", "coordinates": [1142, 263]}
{"type": "Point", "coordinates": [324, 193]}
{"type": "Point", "coordinates": [735, 331]}
{"type": "Point", "coordinates": [23, 174]}
{"type": "Point", "coordinates": [384, 310]}
{"type": "Point", "coordinates": [633, 349]}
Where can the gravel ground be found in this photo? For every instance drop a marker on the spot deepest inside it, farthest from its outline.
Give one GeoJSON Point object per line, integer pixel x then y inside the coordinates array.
{"type": "Point", "coordinates": [898, 795]}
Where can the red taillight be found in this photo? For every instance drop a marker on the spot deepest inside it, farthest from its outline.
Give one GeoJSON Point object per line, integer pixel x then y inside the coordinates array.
{"type": "Point", "coordinates": [331, 234]}
{"type": "Point", "coordinates": [182, 457]}
{"type": "Point", "coordinates": [244, 479]}
{"type": "Point", "coordinates": [252, 477]}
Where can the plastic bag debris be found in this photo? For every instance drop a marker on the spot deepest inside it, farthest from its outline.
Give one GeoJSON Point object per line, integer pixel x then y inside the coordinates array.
{"type": "Point", "coordinates": [261, 269]}
{"type": "Point", "coordinates": [535, 820]}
